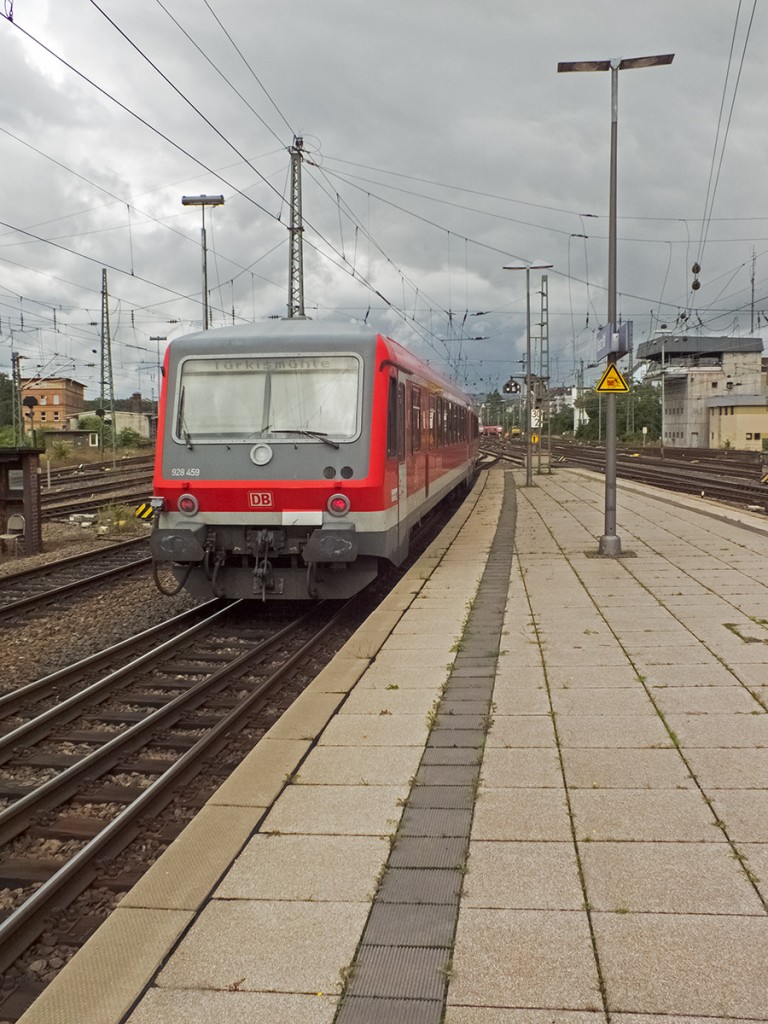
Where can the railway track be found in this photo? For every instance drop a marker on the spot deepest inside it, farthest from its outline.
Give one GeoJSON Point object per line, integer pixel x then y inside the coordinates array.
{"type": "Point", "coordinates": [66, 501]}
{"type": "Point", "coordinates": [23, 591]}
{"type": "Point", "coordinates": [87, 488]}
{"type": "Point", "coordinates": [729, 477]}
{"type": "Point", "coordinates": [86, 768]}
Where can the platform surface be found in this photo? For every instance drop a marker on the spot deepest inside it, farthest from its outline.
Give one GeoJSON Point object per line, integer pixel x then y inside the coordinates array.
{"type": "Point", "coordinates": [610, 863]}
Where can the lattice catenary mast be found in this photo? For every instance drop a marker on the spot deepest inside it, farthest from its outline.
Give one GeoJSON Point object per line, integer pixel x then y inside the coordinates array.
{"type": "Point", "coordinates": [296, 230]}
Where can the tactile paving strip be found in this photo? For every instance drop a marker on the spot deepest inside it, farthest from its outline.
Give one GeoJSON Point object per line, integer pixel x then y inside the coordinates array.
{"type": "Point", "coordinates": [401, 969]}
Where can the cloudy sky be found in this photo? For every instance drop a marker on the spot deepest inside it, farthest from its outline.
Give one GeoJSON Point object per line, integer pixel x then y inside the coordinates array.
{"type": "Point", "coordinates": [440, 144]}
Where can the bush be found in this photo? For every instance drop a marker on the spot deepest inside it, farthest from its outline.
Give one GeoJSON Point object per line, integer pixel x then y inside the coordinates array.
{"type": "Point", "coordinates": [128, 438]}
{"type": "Point", "coordinates": [60, 450]}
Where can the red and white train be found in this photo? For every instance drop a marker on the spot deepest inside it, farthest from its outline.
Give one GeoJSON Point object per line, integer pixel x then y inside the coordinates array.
{"type": "Point", "coordinates": [292, 457]}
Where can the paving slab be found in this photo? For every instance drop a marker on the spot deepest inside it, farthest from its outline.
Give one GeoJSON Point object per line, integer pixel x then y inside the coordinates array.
{"type": "Point", "coordinates": [509, 1015]}
{"type": "Point", "coordinates": [672, 878]}
{"type": "Point", "coordinates": [751, 675]}
{"type": "Point", "coordinates": [652, 1018]}
{"type": "Point", "coordinates": [430, 676]}
{"type": "Point", "coordinates": [389, 658]}
{"type": "Point", "coordinates": [547, 960]}
{"type": "Point", "coordinates": [659, 815]}
{"type": "Point", "coordinates": [337, 810]}
{"type": "Point", "coordinates": [620, 731]}
{"type": "Point", "coordinates": [392, 701]}
{"type": "Point", "coordinates": [711, 966]}
{"type": "Point", "coordinates": [521, 814]}
{"type": "Point", "coordinates": [376, 731]}
{"type": "Point", "coordinates": [522, 876]}
{"type": "Point", "coordinates": [756, 860]}
{"type": "Point", "coordinates": [515, 699]}
{"type": "Point", "coordinates": [521, 731]}
{"type": "Point", "coordinates": [600, 700]}
{"type": "Point", "coordinates": [714, 730]}
{"type": "Point", "coordinates": [706, 700]}
{"type": "Point", "coordinates": [744, 813]}
{"type": "Point", "coordinates": [301, 867]}
{"type": "Point", "coordinates": [591, 675]}
{"type": "Point", "coordinates": [574, 658]}
{"type": "Point", "coordinates": [160, 1006]}
{"type": "Point", "coordinates": [267, 946]}
{"type": "Point", "coordinates": [731, 768]}
{"type": "Point", "coordinates": [600, 768]}
{"type": "Point", "coordinates": [689, 675]}
{"type": "Point", "coordinates": [359, 766]}
{"type": "Point", "coordinates": [515, 767]}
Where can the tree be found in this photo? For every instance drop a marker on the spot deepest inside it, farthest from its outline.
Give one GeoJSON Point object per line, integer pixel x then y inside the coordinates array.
{"type": "Point", "coordinates": [8, 437]}
{"type": "Point", "coordinates": [6, 400]}
{"type": "Point", "coordinates": [562, 422]}
{"type": "Point", "coordinates": [640, 407]}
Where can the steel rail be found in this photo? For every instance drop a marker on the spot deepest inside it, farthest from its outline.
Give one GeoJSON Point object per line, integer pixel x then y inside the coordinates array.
{"type": "Point", "coordinates": [14, 699]}
{"type": "Point", "coordinates": [61, 713]}
{"type": "Point", "coordinates": [61, 563]}
{"type": "Point", "coordinates": [66, 588]}
{"type": "Point", "coordinates": [25, 923]}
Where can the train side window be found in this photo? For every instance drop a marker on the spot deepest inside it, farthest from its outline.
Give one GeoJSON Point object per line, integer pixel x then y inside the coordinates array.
{"type": "Point", "coordinates": [392, 419]}
{"type": "Point", "coordinates": [415, 419]}
{"type": "Point", "coordinates": [401, 422]}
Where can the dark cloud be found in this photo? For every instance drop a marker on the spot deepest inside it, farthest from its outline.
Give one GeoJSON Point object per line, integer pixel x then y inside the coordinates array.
{"type": "Point", "coordinates": [441, 144]}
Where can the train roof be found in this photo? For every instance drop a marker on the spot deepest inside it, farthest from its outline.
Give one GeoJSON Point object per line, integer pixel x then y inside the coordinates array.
{"type": "Point", "coordinates": [305, 335]}
{"type": "Point", "coordinates": [280, 333]}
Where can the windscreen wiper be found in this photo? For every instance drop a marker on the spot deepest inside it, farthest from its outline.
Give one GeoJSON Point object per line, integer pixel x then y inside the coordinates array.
{"type": "Point", "coordinates": [181, 426]}
{"type": "Point", "coordinates": [308, 433]}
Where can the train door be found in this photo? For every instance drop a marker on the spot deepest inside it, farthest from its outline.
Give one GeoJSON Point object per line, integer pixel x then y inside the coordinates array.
{"type": "Point", "coordinates": [396, 449]}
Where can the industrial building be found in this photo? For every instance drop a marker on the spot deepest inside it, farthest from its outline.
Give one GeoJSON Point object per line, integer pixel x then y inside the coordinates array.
{"type": "Point", "coordinates": [714, 391]}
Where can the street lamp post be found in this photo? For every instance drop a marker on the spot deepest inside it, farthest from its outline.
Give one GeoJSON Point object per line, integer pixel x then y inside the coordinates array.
{"type": "Point", "coordinates": [528, 267]}
{"type": "Point", "coordinates": [610, 543]}
{"type": "Point", "coordinates": [202, 202]}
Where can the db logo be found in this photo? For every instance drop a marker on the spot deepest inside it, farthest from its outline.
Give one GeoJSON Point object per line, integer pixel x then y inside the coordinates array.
{"type": "Point", "coordinates": [260, 499]}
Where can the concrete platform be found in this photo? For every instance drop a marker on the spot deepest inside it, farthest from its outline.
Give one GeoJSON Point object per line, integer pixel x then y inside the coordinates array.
{"type": "Point", "coordinates": [588, 844]}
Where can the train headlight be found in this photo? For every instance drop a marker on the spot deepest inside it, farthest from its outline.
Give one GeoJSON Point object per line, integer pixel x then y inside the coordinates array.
{"type": "Point", "coordinates": [338, 504]}
{"type": "Point", "coordinates": [261, 454]}
{"type": "Point", "coordinates": [188, 504]}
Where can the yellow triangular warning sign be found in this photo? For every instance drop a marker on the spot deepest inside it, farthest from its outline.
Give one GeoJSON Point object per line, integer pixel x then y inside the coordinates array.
{"type": "Point", "coordinates": [611, 380]}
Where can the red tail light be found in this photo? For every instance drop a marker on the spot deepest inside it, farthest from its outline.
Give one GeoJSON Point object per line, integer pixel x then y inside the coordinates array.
{"type": "Point", "coordinates": [188, 504]}
{"type": "Point", "coordinates": [338, 504]}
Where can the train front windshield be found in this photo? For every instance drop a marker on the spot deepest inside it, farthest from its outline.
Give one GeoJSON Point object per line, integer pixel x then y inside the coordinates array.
{"type": "Point", "coordinates": [241, 398]}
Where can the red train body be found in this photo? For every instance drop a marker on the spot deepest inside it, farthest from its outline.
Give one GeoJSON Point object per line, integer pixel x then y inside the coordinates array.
{"type": "Point", "coordinates": [292, 458]}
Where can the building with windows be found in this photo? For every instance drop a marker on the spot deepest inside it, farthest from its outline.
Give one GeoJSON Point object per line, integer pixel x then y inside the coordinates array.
{"type": "Point", "coordinates": [714, 391]}
{"type": "Point", "coordinates": [50, 403]}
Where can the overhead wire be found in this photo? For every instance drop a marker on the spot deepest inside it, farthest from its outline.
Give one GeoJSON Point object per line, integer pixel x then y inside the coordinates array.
{"type": "Point", "coordinates": [717, 163]}
{"type": "Point", "coordinates": [218, 70]}
{"type": "Point", "coordinates": [188, 101]}
{"type": "Point", "coordinates": [247, 64]}
{"type": "Point", "coordinates": [177, 146]}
